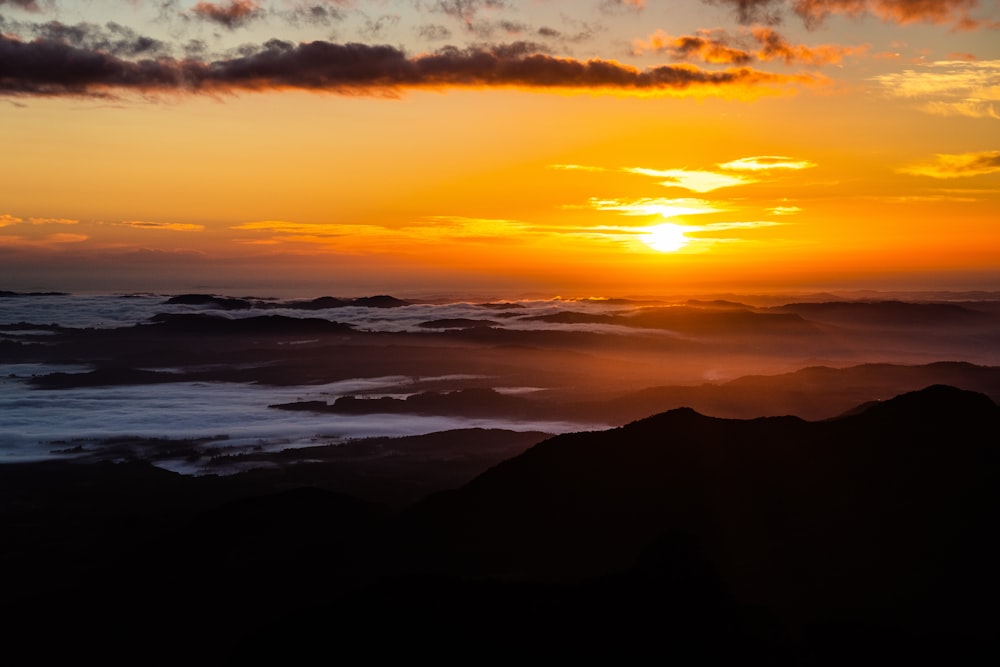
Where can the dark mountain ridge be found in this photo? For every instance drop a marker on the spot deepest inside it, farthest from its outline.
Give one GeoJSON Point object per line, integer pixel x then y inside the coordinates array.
{"type": "Point", "coordinates": [774, 540]}
{"type": "Point", "coordinates": [881, 518]}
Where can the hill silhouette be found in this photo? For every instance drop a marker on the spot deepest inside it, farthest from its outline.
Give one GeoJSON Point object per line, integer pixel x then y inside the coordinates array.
{"type": "Point", "coordinates": [774, 540]}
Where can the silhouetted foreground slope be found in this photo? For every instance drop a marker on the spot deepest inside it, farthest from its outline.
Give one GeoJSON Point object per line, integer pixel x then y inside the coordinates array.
{"type": "Point", "coordinates": [863, 539]}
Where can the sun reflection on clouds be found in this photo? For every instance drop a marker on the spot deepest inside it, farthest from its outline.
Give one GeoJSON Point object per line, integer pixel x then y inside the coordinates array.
{"type": "Point", "coordinates": [697, 181]}
{"type": "Point", "coordinates": [664, 207]}
{"type": "Point", "coordinates": [766, 162]}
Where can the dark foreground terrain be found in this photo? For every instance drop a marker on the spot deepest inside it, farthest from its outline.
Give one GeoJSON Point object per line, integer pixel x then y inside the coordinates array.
{"type": "Point", "coordinates": [678, 538]}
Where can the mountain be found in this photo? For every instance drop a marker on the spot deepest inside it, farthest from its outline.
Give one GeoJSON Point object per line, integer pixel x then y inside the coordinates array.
{"type": "Point", "coordinates": [863, 539]}
{"type": "Point", "coordinates": [879, 521]}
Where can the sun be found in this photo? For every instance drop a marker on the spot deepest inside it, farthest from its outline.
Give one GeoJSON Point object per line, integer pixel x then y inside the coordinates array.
{"type": "Point", "coordinates": [665, 238]}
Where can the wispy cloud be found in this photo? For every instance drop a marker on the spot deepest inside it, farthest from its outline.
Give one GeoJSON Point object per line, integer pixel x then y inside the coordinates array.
{"type": "Point", "coordinates": [703, 180]}
{"type": "Point", "coordinates": [42, 242]}
{"type": "Point", "coordinates": [376, 238]}
{"type": "Point", "coordinates": [663, 207]}
{"type": "Point", "coordinates": [30, 5]}
{"type": "Point", "coordinates": [578, 167]}
{"type": "Point", "coordinates": [815, 12]}
{"type": "Point", "coordinates": [955, 12]}
{"type": "Point", "coordinates": [950, 88]}
{"type": "Point", "coordinates": [466, 228]}
{"type": "Point", "coordinates": [757, 44]}
{"type": "Point", "coordinates": [7, 220]}
{"type": "Point", "coordinates": [232, 14]}
{"type": "Point", "coordinates": [694, 180]}
{"type": "Point", "coordinates": [622, 5]}
{"type": "Point", "coordinates": [766, 163]}
{"type": "Point", "coordinates": [167, 226]}
{"type": "Point", "coordinates": [957, 165]}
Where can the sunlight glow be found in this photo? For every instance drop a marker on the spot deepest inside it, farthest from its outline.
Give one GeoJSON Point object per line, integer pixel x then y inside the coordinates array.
{"type": "Point", "coordinates": [666, 237]}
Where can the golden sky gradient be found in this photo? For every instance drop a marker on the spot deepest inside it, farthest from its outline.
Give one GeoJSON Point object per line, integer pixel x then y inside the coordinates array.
{"type": "Point", "coordinates": [499, 146]}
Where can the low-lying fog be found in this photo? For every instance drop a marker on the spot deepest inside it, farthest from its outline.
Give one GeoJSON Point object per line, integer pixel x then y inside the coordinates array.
{"type": "Point", "coordinates": [211, 386]}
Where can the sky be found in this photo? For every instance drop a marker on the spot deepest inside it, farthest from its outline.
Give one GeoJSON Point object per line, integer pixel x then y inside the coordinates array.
{"type": "Point", "coordinates": [499, 147]}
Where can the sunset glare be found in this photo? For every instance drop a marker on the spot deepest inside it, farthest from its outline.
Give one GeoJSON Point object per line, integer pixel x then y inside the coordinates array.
{"type": "Point", "coordinates": [665, 237]}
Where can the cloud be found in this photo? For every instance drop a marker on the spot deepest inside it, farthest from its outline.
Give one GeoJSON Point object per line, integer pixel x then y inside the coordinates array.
{"type": "Point", "coordinates": [697, 181]}
{"type": "Point", "coordinates": [766, 163]}
{"type": "Point", "coordinates": [47, 67]}
{"type": "Point", "coordinates": [29, 5]}
{"type": "Point", "coordinates": [43, 242]}
{"type": "Point", "coordinates": [776, 47]}
{"type": "Point", "coordinates": [360, 238]}
{"type": "Point", "coordinates": [310, 237]}
{"type": "Point", "coordinates": [466, 10]}
{"type": "Point", "coordinates": [433, 33]}
{"type": "Point", "coordinates": [66, 238]}
{"type": "Point", "coordinates": [950, 87]}
{"type": "Point", "coordinates": [230, 15]}
{"type": "Point", "coordinates": [666, 208]}
{"type": "Point", "coordinates": [53, 221]}
{"type": "Point", "coordinates": [759, 44]}
{"type": "Point", "coordinates": [814, 12]}
{"type": "Point", "coordinates": [112, 38]}
{"type": "Point", "coordinates": [612, 6]}
{"type": "Point", "coordinates": [288, 227]}
{"type": "Point", "coordinates": [957, 166]}
{"type": "Point", "coordinates": [753, 11]}
{"type": "Point", "coordinates": [577, 167]}
{"type": "Point", "coordinates": [784, 210]}
{"type": "Point", "coordinates": [710, 46]}
{"type": "Point", "coordinates": [316, 14]}
{"type": "Point", "coordinates": [751, 224]}
{"type": "Point", "coordinates": [468, 228]}
{"type": "Point", "coordinates": [168, 226]}
{"type": "Point", "coordinates": [375, 28]}
{"type": "Point", "coordinates": [6, 220]}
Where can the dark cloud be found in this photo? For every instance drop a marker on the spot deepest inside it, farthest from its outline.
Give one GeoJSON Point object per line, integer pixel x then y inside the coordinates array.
{"type": "Point", "coordinates": [375, 28]}
{"type": "Point", "coordinates": [466, 10]}
{"type": "Point", "coordinates": [489, 29]}
{"type": "Point", "coordinates": [758, 44]}
{"type": "Point", "coordinates": [112, 38]}
{"type": "Point", "coordinates": [814, 12]}
{"type": "Point", "coordinates": [196, 48]}
{"type": "Point", "coordinates": [49, 67]}
{"type": "Point", "coordinates": [315, 14]}
{"type": "Point", "coordinates": [231, 15]}
{"type": "Point", "coordinates": [775, 47]}
{"type": "Point", "coordinates": [711, 46]}
{"type": "Point", "coordinates": [754, 11]}
{"type": "Point", "coordinates": [434, 33]}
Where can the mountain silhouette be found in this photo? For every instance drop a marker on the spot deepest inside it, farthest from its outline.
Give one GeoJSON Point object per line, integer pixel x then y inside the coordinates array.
{"type": "Point", "coordinates": [866, 538]}
{"type": "Point", "coordinates": [882, 518]}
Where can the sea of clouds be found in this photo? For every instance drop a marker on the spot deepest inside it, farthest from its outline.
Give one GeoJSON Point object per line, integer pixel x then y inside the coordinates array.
{"type": "Point", "coordinates": [40, 424]}
{"type": "Point", "coordinates": [110, 311]}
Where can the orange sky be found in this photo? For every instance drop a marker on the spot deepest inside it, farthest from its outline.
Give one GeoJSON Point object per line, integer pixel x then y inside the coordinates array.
{"type": "Point", "coordinates": [851, 144]}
